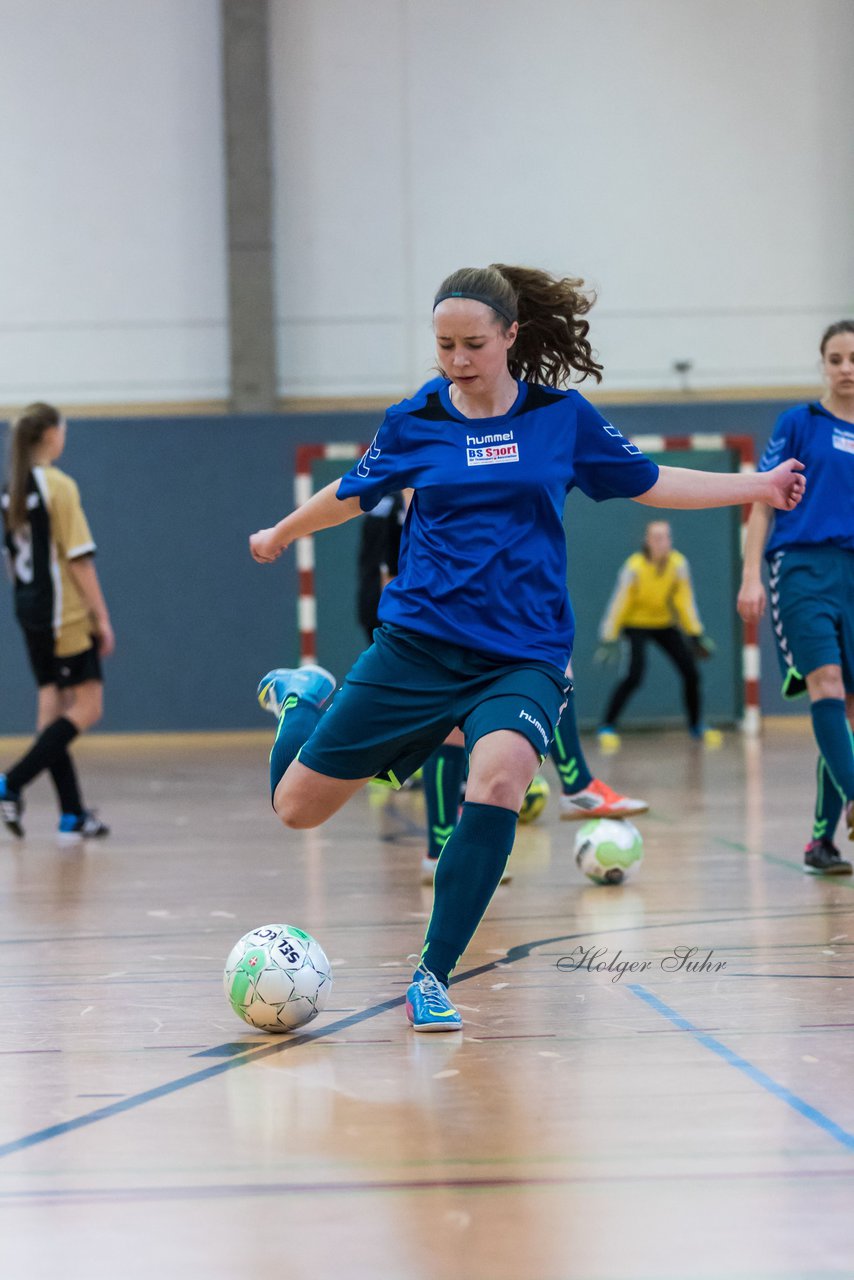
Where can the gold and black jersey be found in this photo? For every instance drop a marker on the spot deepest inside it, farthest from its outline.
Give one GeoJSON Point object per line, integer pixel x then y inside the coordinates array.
{"type": "Point", "coordinates": [39, 553]}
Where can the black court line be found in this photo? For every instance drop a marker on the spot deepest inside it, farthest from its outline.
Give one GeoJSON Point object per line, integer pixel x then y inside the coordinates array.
{"type": "Point", "coordinates": [254, 1052]}
{"type": "Point", "coordinates": [813, 977]}
{"type": "Point", "coordinates": [253, 1190]}
{"type": "Point", "coordinates": [843, 882]}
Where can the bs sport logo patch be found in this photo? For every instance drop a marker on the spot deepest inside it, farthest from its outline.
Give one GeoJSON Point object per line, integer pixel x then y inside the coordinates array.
{"type": "Point", "coordinates": [484, 451]}
{"type": "Point", "coordinates": [843, 440]}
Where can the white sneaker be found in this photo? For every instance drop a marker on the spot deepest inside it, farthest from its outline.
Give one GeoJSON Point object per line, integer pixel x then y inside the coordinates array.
{"type": "Point", "coordinates": [599, 801]}
{"type": "Point", "coordinates": [428, 871]}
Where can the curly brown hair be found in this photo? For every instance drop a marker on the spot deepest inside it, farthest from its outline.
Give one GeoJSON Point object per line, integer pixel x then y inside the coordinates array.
{"type": "Point", "coordinates": [552, 343]}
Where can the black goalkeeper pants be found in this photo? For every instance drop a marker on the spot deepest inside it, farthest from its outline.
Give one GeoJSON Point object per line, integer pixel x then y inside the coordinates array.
{"type": "Point", "coordinates": [672, 641]}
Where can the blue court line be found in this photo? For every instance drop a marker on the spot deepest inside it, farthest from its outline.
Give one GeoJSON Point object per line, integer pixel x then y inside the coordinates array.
{"type": "Point", "coordinates": [520, 952]}
{"type": "Point", "coordinates": [753, 1073]}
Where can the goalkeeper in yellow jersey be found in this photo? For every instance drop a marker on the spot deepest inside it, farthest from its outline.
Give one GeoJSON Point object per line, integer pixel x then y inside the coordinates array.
{"type": "Point", "coordinates": [653, 602]}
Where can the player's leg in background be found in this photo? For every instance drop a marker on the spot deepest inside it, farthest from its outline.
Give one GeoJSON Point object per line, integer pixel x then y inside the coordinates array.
{"type": "Point", "coordinates": [52, 703]}
{"type": "Point", "coordinates": [582, 795]}
{"type": "Point", "coordinates": [636, 637]}
{"type": "Point", "coordinates": [828, 804]}
{"type": "Point", "coordinates": [567, 754]}
{"type": "Point", "coordinates": [53, 742]}
{"type": "Point", "coordinates": [442, 777]}
{"type": "Point", "coordinates": [828, 701]}
{"type": "Point", "coordinates": [672, 642]}
{"type": "Point", "coordinates": [84, 705]}
{"type": "Point", "coordinates": [821, 854]}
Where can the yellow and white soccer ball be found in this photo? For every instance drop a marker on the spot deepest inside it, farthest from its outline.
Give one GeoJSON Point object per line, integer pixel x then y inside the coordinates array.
{"type": "Point", "coordinates": [609, 850]}
{"type": "Point", "coordinates": [536, 799]}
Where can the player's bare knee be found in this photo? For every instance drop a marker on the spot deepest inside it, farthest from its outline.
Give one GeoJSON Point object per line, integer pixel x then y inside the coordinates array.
{"type": "Point", "coordinates": [296, 819]}
{"type": "Point", "coordinates": [293, 811]}
{"type": "Point", "coordinates": [501, 788]}
{"type": "Point", "coordinates": [826, 682]}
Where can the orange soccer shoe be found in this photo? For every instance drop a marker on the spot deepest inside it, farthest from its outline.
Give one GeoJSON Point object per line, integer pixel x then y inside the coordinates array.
{"type": "Point", "coordinates": [599, 801]}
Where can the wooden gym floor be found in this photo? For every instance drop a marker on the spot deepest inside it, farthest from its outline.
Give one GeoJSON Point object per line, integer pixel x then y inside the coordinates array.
{"type": "Point", "coordinates": [585, 1126]}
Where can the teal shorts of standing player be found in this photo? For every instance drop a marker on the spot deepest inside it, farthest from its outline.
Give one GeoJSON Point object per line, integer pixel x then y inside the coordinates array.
{"type": "Point", "coordinates": [812, 613]}
{"type": "Point", "coordinates": [408, 691]}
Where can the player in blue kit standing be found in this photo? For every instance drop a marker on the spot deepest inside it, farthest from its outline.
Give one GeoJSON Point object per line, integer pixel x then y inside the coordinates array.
{"type": "Point", "coordinates": [477, 627]}
{"type": "Point", "coordinates": [810, 556]}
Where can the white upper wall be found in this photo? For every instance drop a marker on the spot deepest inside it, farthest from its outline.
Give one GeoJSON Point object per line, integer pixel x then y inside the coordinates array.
{"type": "Point", "coordinates": [690, 160]}
{"type": "Point", "coordinates": [112, 219]}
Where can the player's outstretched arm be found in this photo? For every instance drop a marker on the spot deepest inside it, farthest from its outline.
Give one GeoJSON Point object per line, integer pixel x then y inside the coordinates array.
{"type": "Point", "coordinates": [751, 597]}
{"type": "Point", "coordinates": [679, 487]}
{"type": "Point", "coordinates": [322, 511]}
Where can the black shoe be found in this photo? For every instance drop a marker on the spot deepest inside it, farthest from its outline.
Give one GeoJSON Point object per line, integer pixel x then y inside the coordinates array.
{"type": "Point", "coordinates": [824, 857]}
{"type": "Point", "coordinates": [11, 808]}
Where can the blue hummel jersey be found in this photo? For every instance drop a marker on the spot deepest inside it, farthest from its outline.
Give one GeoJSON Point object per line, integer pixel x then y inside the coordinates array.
{"type": "Point", "coordinates": [483, 555]}
{"type": "Point", "coordinates": [825, 445]}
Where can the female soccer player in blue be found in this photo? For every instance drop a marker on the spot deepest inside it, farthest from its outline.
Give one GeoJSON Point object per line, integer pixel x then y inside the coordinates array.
{"type": "Point", "coordinates": [477, 627]}
{"type": "Point", "coordinates": [811, 566]}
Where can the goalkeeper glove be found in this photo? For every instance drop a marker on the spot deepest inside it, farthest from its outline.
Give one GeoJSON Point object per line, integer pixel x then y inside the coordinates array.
{"type": "Point", "coordinates": [702, 646]}
{"type": "Point", "coordinates": [608, 652]}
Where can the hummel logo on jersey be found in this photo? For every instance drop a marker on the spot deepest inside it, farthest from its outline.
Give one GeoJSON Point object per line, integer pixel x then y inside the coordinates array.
{"type": "Point", "coordinates": [523, 715]}
{"type": "Point", "coordinates": [370, 455]}
{"type": "Point", "coordinates": [616, 434]}
{"type": "Point", "coordinates": [485, 450]}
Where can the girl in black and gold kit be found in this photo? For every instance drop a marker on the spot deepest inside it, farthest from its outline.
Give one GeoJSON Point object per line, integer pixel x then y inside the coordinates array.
{"type": "Point", "coordinates": [61, 611]}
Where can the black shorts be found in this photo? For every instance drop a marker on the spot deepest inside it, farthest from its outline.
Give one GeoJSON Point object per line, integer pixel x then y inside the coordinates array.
{"type": "Point", "coordinates": [66, 672]}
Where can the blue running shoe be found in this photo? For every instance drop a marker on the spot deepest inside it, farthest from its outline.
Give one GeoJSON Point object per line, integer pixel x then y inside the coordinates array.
{"type": "Point", "coordinates": [11, 808]}
{"type": "Point", "coordinates": [313, 684]}
{"type": "Point", "coordinates": [428, 1007]}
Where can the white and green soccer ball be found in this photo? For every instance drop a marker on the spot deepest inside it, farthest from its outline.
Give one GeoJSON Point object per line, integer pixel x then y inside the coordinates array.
{"type": "Point", "coordinates": [277, 978]}
{"type": "Point", "coordinates": [609, 850]}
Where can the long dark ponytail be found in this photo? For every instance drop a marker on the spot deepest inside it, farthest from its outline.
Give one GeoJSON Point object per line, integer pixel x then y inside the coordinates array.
{"type": "Point", "coordinates": [27, 432]}
{"type": "Point", "coordinates": [552, 344]}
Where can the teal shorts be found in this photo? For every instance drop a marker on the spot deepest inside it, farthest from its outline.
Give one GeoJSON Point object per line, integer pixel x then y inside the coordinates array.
{"type": "Point", "coordinates": [812, 613]}
{"type": "Point", "coordinates": [408, 691]}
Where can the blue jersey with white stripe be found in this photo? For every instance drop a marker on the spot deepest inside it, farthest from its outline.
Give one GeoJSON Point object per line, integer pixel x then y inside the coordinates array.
{"type": "Point", "coordinates": [825, 445]}
{"type": "Point", "coordinates": [483, 555]}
